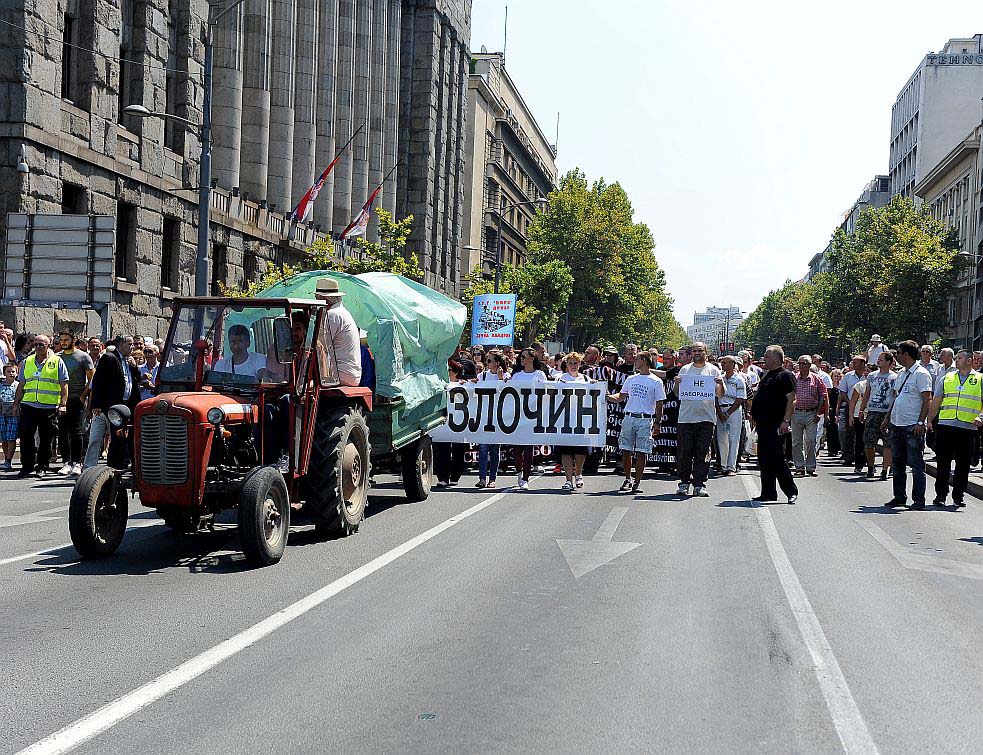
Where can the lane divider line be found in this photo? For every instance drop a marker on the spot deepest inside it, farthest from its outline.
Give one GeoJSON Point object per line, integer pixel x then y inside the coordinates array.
{"type": "Point", "coordinates": [112, 713]}
{"type": "Point", "coordinates": [847, 720]}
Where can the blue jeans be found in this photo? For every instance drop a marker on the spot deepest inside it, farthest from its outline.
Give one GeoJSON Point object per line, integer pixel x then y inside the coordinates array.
{"type": "Point", "coordinates": [908, 449]}
{"type": "Point", "coordinates": [488, 452]}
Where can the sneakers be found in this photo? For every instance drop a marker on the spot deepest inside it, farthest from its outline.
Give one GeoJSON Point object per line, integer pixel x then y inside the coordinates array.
{"type": "Point", "coordinates": [682, 489]}
{"type": "Point", "coordinates": [491, 484]}
{"type": "Point", "coordinates": [938, 502]}
{"type": "Point", "coordinates": [283, 465]}
{"type": "Point", "coordinates": [700, 492]}
{"type": "Point", "coordinates": [578, 481]}
{"type": "Point", "coordinates": [5, 467]}
{"type": "Point", "coordinates": [635, 485]}
{"type": "Point", "coordinates": [76, 469]}
{"type": "Point", "coordinates": [523, 485]}
{"type": "Point", "coordinates": [870, 473]}
{"type": "Point", "coordinates": [567, 487]}
{"type": "Point", "coordinates": [883, 474]}
{"type": "Point", "coordinates": [626, 484]}
{"type": "Point", "coordinates": [812, 473]}
{"type": "Point", "coordinates": [792, 499]}
{"type": "Point", "coordinates": [480, 484]}
{"type": "Point", "coordinates": [66, 469]}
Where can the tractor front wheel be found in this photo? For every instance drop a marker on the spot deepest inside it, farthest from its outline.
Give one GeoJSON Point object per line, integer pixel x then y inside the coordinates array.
{"type": "Point", "coordinates": [264, 516]}
{"type": "Point", "coordinates": [97, 513]}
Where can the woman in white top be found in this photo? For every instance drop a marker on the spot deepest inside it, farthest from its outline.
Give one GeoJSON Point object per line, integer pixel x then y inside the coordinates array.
{"type": "Point", "coordinates": [573, 457]}
{"type": "Point", "coordinates": [490, 454]}
{"type": "Point", "coordinates": [530, 370]}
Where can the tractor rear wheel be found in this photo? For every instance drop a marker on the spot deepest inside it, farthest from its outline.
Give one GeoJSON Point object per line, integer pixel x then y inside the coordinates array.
{"type": "Point", "coordinates": [264, 516]}
{"type": "Point", "coordinates": [336, 488]}
{"type": "Point", "coordinates": [417, 463]}
{"type": "Point", "coordinates": [97, 513]}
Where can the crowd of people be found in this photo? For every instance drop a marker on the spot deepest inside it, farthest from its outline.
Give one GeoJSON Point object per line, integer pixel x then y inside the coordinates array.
{"type": "Point", "coordinates": [55, 392]}
{"type": "Point", "coordinates": [785, 411]}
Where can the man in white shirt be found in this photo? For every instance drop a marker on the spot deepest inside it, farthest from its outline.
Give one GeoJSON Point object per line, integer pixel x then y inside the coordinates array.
{"type": "Point", "coordinates": [947, 364]}
{"type": "Point", "coordinates": [339, 339]}
{"type": "Point", "coordinates": [644, 392]}
{"type": "Point", "coordinates": [928, 361]}
{"type": "Point", "coordinates": [242, 361]}
{"type": "Point", "coordinates": [874, 349]}
{"type": "Point", "coordinates": [697, 422]}
{"type": "Point", "coordinates": [912, 400]}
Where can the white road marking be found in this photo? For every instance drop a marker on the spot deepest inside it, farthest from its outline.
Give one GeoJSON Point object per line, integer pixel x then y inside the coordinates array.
{"type": "Point", "coordinates": [583, 556]}
{"type": "Point", "coordinates": [10, 520]}
{"type": "Point", "coordinates": [849, 724]}
{"type": "Point", "coordinates": [53, 551]}
{"type": "Point", "coordinates": [921, 561]}
{"type": "Point", "coordinates": [112, 713]}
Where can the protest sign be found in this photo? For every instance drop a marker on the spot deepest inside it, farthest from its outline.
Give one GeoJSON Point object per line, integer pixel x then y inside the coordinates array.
{"type": "Point", "coordinates": [695, 387]}
{"type": "Point", "coordinates": [493, 319]}
{"type": "Point", "coordinates": [525, 414]}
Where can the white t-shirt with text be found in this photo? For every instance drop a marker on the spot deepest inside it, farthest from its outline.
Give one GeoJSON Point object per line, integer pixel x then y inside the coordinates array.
{"type": "Point", "coordinates": [643, 392]}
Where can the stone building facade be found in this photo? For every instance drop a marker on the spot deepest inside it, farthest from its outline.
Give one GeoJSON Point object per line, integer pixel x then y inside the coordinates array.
{"type": "Point", "coordinates": [511, 162]}
{"type": "Point", "coordinates": [293, 80]}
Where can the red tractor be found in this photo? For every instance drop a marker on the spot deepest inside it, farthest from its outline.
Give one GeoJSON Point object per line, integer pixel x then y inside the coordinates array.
{"type": "Point", "coordinates": [249, 414]}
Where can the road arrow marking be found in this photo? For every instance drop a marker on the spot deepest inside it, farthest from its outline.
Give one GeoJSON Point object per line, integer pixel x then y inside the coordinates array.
{"type": "Point", "coordinates": [583, 556]}
{"type": "Point", "coordinates": [37, 516]}
{"type": "Point", "coordinates": [921, 561]}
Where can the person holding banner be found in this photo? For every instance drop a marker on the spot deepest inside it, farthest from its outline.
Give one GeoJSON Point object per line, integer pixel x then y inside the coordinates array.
{"type": "Point", "coordinates": [644, 393]}
{"type": "Point", "coordinates": [573, 457]}
{"type": "Point", "coordinates": [531, 372]}
{"type": "Point", "coordinates": [698, 386]}
{"type": "Point", "coordinates": [490, 454]}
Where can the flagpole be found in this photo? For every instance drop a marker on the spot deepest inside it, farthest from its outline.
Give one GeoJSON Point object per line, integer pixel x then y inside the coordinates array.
{"type": "Point", "coordinates": [324, 175]}
{"type": "Point", "coordinates": [371, 198]}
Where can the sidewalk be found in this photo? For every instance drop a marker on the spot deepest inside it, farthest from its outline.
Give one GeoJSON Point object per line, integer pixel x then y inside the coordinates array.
{"type": "Point", "coordinates": [974, 487]}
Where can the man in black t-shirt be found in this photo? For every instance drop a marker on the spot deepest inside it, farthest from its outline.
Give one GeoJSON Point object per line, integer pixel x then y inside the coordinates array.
{"type": "Point", "coordinates": [772, 413]}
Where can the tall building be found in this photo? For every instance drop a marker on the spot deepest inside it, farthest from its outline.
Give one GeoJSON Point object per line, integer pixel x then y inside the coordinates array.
{"type": "Point", "coordinates": [938, 105]}
{"type": "Point", "coordinates": [953, 191]}
{"type": "Point", "coordinates": [294, 80]}
{"type": "Point", "coordinates": [510, 163]}
{"type": "Point", "coordinates": [715, 326]}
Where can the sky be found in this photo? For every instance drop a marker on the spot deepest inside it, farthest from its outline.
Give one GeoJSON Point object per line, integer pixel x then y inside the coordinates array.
{"type": "Point", "coordinates": [741, 131]}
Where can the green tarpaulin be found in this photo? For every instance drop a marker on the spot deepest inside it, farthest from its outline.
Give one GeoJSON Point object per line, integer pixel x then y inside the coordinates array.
{"type": "Point", "coordinates": [412, 330]}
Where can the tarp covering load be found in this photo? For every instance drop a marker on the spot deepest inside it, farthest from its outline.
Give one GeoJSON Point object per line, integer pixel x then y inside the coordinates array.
{"type": "Point", "coordinates": [412, 330]}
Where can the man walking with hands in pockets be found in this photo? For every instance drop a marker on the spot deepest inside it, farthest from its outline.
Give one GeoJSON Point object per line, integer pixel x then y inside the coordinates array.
{"type": "Point", "coordinates": [644, 393]}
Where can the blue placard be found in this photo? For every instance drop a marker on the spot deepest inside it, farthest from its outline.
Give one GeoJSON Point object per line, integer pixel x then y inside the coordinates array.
{"type": "Point", "coordinates": [493, 320]}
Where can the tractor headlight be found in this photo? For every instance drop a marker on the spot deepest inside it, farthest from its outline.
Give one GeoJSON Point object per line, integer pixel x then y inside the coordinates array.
{"type": "Point", "coordinates": [118, 416]}
{"type": "Point", "coordinates": [215, 415]}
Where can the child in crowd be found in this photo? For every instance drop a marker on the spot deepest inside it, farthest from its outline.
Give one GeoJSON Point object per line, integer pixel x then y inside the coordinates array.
{"type": "Point", "coordinates": [8, 422]}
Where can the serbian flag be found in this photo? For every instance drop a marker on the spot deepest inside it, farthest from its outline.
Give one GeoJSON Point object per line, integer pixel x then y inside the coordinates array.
{"type": "Point", "coordinates": [302, 212]}
{"type": "Point", "coordinates": [304, 207]}
{"type": "Point", "coordinates": [361, 221]}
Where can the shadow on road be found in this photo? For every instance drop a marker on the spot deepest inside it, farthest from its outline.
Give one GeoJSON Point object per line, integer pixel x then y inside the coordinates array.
{"type": "Point", "coordinates": [877, 510]}
{"type": "Point", "coordinates": [977, 540]}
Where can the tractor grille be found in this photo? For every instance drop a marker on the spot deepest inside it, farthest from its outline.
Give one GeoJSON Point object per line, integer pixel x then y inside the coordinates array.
{"type": "Point", "coordinates": [163, 449]}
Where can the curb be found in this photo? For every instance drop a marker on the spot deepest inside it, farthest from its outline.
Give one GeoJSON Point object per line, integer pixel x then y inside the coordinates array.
{"type": "Point", "coordinates": [975, 489]}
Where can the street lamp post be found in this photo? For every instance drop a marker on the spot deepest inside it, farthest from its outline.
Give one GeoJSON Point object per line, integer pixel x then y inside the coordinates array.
{"type": "Point", "coordinates": [500, 245]}
{"type": "Point", "coordinates": [205, 136]}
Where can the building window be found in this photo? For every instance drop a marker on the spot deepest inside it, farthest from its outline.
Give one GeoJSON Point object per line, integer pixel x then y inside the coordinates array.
{"type": "Point", "coordinates": [129, 72]}
{"type": "Point", "coordinates": [69, 59]}
{"type": "Point", "coordinates": [126, 222]}
{"type": "Point", "coordinates": [219, 268]}
{"type": "Point", "coordinates": [170, 80]}
{"type": "Point", "coordinates": [73, 200]}
{"type": "Point", "coordinates": [170, 253]}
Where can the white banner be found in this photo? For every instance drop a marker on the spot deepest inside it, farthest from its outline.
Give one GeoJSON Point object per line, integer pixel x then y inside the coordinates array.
{"type": "Point", "coordinates": [697, 387]}
{"type": "Point", "coordinates": [526, 414]}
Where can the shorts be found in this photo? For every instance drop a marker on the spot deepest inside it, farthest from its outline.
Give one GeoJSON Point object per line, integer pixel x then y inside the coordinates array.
{"type": "Point", "coordinates": [8, 427]}
{"type": "Point", "coordinates": [636, 435]}
{"type": "Point", "coordinates": [872, 429]}
{"type": "Point", "coordinates": [571, 450]}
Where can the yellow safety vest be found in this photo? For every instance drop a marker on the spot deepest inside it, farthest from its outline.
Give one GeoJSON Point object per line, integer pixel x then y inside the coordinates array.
{"type": "Point", "coordinates": [42, 386]}
{"type": "Point", "coordinates": [962, 401]}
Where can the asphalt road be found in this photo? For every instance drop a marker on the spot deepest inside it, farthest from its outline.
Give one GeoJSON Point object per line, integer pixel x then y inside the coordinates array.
{"type": "Point", "coordinates": [462, 624]}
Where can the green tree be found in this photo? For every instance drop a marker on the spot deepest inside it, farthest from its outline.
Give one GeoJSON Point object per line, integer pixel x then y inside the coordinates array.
{"type": "Point", "coordinates": [386, 256]}
{"type": "Point", "coordinates": [618, 292]}
{"type": "Point", "coordinates": [892, 275]}
{"type": "Point", "coordinates": [786, 316]}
